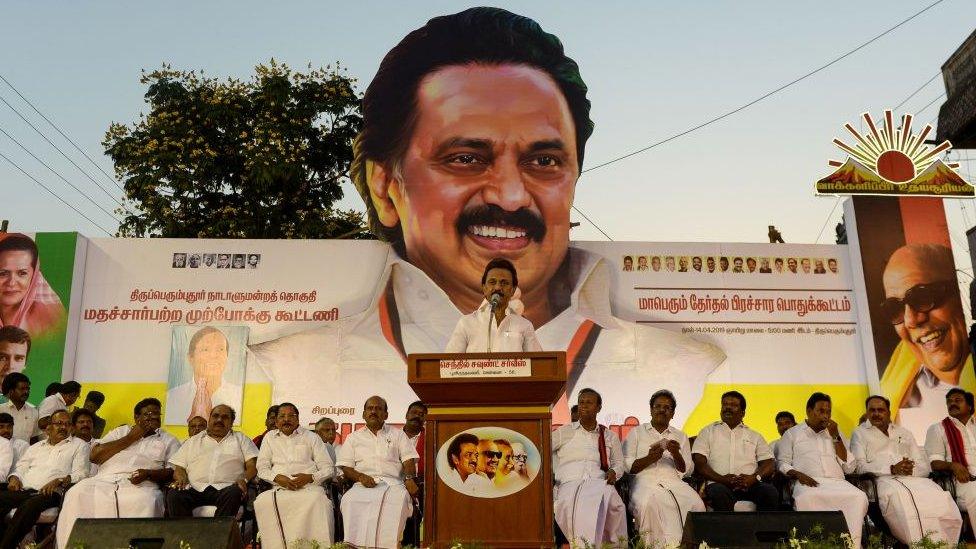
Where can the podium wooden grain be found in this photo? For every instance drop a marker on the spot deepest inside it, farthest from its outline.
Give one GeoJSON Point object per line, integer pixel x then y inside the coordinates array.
{"type": "Point", "coordinates": [522, 404]}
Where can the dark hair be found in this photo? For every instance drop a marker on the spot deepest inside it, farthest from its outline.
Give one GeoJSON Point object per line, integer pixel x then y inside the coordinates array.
{"type": "Point", "coordinates": [738, 395]}
{"type": "Point", "coordinates": [954, 391]}
{"type": "Point", "coordinates": [817, 397]}
{"type": "Point", "coordinates": [53, 387]}
{"type": "Point", "coordinates": [386, 405]}
{"type": "Point", "coordinates": [455, 448]}
{"type": "Point", "coordinates": [883, 399]}
{"type": "Point", "coordinates": [79, 412]}
{"type": "Point", "coordinates": [95, 396]}
{"type": "Point", "coordinates": [483, 36]}
{"type": "Point", "coordinates": [785, 414]}
{"type": "Point", "coordinates": [273, 409]}
{"type": "Point", "coordinates": [6, 418]}
{"type": "Point", "coordinates": [146, 402]}
{"type": "Point", "coordinates": [500, 263]}
{"type": "Point", "coordinates": [418, 404]}
{"type": "Point", "coordinates": [663, 393]}
{"type": "Point", "coordinates": [19, 242]}
{"type": "Point", "coordinates": [588, 391]}
{"type": "Point", "coordinates": [13, 334]}
{"type": "Point", "coordinates": [201, 333]}
{"type": "Point", "coordinates": [626, 257]}
{"type": "Point", "coordinates": [289, 405]}
{"type": "Point", "coordinates": [11, 381]}
{"type": "Point", "coordinates": [574, 409]}
{"type": "Point", "coordinates": [70, 387]}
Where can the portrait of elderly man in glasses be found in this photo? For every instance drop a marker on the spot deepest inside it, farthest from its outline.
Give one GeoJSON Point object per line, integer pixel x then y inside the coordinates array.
{"type": "Point", "coordinates": [922, 302]}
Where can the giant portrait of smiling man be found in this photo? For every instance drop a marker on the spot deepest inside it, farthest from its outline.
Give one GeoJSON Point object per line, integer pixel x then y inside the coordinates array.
{"type": "Point", "coordinates": [475, 129]}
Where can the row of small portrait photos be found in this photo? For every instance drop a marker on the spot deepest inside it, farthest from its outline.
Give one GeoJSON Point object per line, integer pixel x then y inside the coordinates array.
{"type": "Point", "coordinates": [735, 264]}
{"type": "Point", "coordinates": [184, 260]}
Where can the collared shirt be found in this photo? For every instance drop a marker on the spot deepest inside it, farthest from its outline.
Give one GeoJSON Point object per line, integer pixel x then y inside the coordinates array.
{"type": "Point", "coordinates": [937, 447]}
{"type": "Point", "coordinates": [8, 457]}
{"type": "Point", "coordinates": [25, 420]}
{"type": "Point", "coordinates": [44, 462]}
{"type": "Point", "coordinates": [418, 444]}
{"type": "Point", "coordinates": [732, 451]}
{"type": "Point", "coordinates": [638, 443]}
{"type": "Point", "coordinates": [475, 484]}
{"type": "Point", "coordinates": [301, 452]}
{"type": "Point", "coordinates": [50, 405]}
{"type": "Point", "coordinates": [576, 453]}
{"type": "Point", "coordinates": [812, 453]}
{"type": "Point", "coordinates": [20, 448]}
{"type": "Point", "coordinates": [513, 334]}
{"type": "Point", "coordinates": [628, 359]}
{"type": "Point", "coordinates": [380, 456]}
{"type": "Point", "coordinates": [209, 462]}
{"type": "Point", "coordinates": [876, 451]}
{"type": "Point", "coordinates": [773, 447]}
{"type": "Point", "coordinates": [149, 452]}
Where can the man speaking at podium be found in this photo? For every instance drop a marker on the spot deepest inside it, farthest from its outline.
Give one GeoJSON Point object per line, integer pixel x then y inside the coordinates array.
{"type": "Point", "coordinates": [496, 325]}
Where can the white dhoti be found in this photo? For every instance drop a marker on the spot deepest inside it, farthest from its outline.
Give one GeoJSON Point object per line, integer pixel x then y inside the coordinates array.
{"type": "Point", "coordinates": [834, 495]}
{"type": "Point", "coordinates": [915, 506]}
{"type": "Point", "coordinates": [966, 498]}
{"type": "Point", "coordinates": [660, 509]}
{"type": "Point", "coordinates": [111, 496]}
{"type": "Point", "coordinates": [286, 516]}
{"type": "Point", "coordinates": [375, 517]}
{"type": "Point", "coordinates": [591, 513]}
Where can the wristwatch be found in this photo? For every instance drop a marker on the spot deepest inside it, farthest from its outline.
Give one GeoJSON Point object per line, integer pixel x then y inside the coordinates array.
{"type": "Point", "coordinates": [409, 477]}
{"type": "Point", "coordinates": [758, 477]}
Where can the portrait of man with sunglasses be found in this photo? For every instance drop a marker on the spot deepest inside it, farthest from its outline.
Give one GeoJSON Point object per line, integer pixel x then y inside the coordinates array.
{"type": "Point", "coordinates": [922, 302]}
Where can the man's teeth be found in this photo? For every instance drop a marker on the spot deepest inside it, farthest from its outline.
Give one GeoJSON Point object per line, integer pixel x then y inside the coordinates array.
{"type": "Point", "coordinates": [929, 337]}
{"type": "Point", "coordinates": [496, 232]}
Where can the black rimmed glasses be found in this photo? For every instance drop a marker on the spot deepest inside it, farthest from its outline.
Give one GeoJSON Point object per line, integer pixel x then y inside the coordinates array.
{"type": "Point", "coordinates": [922, 298]}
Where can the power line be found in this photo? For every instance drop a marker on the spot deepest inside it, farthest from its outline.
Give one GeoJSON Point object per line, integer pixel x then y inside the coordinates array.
{"type": "Point", "coordinates": [766, 95]}
{"type": "Point", "coordinates": [929, 104]}
{"type": "Point", "coordinates": [827, 221]}
{"type": "Point", "coordinates": [43, 186]}
{"type": "Point", "coordinates": [604, 233]}
{"type": "Point", "coordinates": [73, 163]}
{"type": "Point", "coordinates": [896, 107]}
{"type": "Point", "coordinates": [53, 125]}
{"type": "Point", "coordinates": [72, 185]}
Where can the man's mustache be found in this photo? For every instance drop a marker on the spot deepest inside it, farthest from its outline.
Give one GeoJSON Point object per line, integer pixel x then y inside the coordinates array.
{"type": "Point", "coordinates": [492, 215]}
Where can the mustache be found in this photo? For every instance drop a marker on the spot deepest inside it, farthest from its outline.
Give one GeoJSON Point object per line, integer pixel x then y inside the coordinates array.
{"type": "Point", "coordinates": [490, 214]}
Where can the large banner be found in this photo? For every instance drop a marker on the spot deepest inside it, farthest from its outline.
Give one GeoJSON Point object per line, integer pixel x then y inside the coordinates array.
{"type": "Point", "coordinates": [326, 324]}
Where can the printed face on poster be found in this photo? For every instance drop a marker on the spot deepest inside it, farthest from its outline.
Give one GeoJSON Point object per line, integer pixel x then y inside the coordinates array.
{"type": "Point", "coordinates": [206, 369]}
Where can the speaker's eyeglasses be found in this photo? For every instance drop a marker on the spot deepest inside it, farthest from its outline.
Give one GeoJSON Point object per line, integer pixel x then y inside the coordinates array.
{"type": "Point", "coordinates": [922, 298]}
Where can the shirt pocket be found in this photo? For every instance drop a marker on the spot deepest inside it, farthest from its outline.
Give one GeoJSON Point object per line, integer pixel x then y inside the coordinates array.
{"type": "Point", "coordinates": [302, 454]}
{"type": "Point", "coordinates": [511, 341]}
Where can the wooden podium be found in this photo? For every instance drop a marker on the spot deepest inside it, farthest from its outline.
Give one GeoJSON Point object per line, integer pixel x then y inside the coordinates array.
{"type": "Point", "coordinates": [493, 392]}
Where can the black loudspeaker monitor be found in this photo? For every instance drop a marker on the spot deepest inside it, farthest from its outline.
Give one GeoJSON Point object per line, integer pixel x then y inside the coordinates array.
{"type": "Point", "coordinates": [152, 533]}
{"type": "Point", "coordinates": [757, 529]}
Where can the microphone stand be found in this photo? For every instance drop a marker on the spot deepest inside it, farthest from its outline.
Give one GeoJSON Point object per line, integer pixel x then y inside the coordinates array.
{"type": "Point", "coordinates": [491, 318]}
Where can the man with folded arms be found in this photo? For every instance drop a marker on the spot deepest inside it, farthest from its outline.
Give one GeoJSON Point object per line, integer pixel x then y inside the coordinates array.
{"type": "Point", "coordinates": [951, 447]}
{"type": "Point", "coordinates": [132, 460]}
{"type": "Point", "coordinates": [41, 477]}
{"type": "Point", "coordinates": [381, 461]}
{"type": "Point", "coordinates": [212, 468]}
{"type": "Point", "coordinates": [588, 460]}
{"type": "Point", "coordinates": [814, 455]}
{"type": "Point", "coordinates": [912, 505]}
{"type": "Point", "coordinates": [735, 459]}
{"type": "Point", "coordinates": [295, 461]}
{"type": "Point", "coordinates": [660, 456]}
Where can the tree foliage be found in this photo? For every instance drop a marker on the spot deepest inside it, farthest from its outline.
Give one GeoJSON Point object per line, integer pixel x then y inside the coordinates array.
{"type": "Point", "coordinates": [263, 158]}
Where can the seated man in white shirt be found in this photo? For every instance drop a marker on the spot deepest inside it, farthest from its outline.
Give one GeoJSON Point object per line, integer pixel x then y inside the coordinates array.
{"type": "Point", "coordinates": [951, 447]}
{"type": "Point", "coordinates": [735, 460]}
{"type": "Point", "coordinates": [496, 325]}
{"type": "Point", "coordinates": [660, 456]}
{"type": "Point", "coordinates": [294, 460]}
{"type": "Point", "coordinates": [912, 505]}
{"type": "Point", "coordinates": [16, 387]}
{"type": "Point", "coordinates": [784, 422]}
{"type": "Point", "coordinates": [62, 399]}
{"type": "Point", "coordinates": [588, 460]}
{"type": "Point", "coordinates": [381, 461]}
{"type": "Point", "coordinates": [132, 460]}
{"type": "Point", "coordinates": [40, 478]}
{"type": "Point", "coordinates": [212, 468]}
{"type": "Point", "coordinates": [18, 446]}
{"type": "Point", "coordinates": [813, 455]}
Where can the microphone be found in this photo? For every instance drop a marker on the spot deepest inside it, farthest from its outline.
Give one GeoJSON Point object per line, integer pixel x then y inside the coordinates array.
{"type": "Point", "coordinates": [496, 298]}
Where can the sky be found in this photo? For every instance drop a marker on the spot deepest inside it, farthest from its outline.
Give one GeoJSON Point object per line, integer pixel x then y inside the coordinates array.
{"type": "Point", "coordinates": [654, 69]}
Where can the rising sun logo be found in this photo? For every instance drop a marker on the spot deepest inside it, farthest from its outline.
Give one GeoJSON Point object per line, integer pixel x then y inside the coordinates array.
{"type": "Point", "coordinates": [893, 161]}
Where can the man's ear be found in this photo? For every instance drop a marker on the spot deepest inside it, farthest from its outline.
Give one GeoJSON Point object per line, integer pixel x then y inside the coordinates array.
{"type": "Point", "coordinates": [380, 178]}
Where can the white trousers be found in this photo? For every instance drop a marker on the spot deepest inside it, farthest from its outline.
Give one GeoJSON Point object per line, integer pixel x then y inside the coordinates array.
{"type": "Point", "coordinates": [287, 516]}
{"type": "Point", "coordinates": [660, 508]}
{"type": "Point", "coordinates": [916, 506]}
{"type": "Point", "coordinates": [108, 497]}
{"type": "Point", "coordinates": [591, 513]}
{"type": "Point", "coordinates": [834, 495]}
{"type": "Point", "coordinates": [375, 517]}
